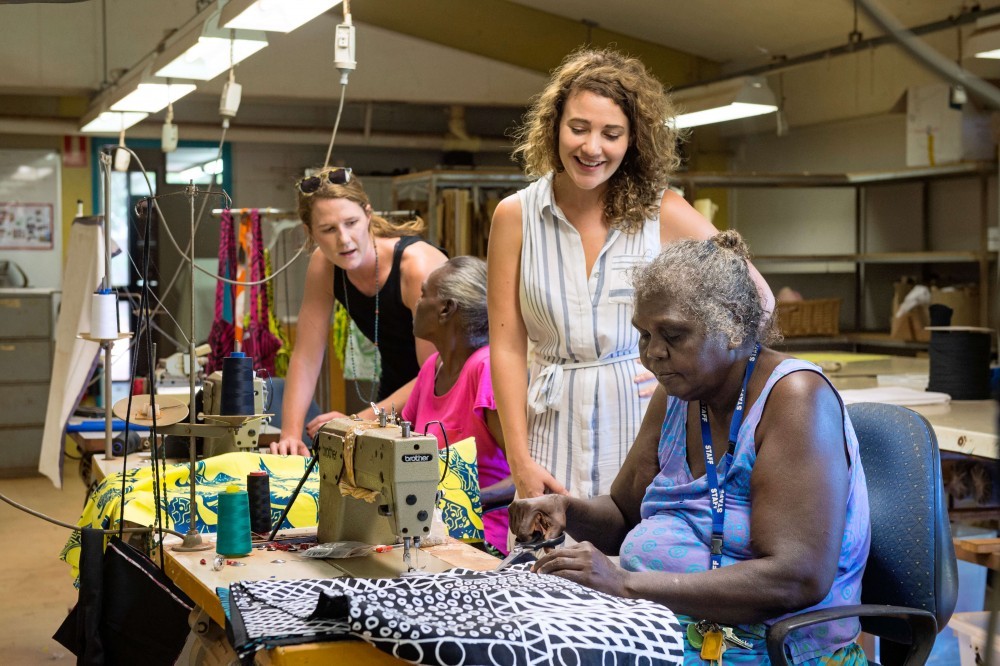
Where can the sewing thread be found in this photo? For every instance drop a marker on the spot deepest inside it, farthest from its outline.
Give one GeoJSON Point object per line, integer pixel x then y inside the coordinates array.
{"type": "Point", "coordinates": [233, 537]}
{"type": "Point", "coordinates": [960, 362]}
{"type": "Point", "coordinates": [104, 315]}
{"type": "Point", "coordinates": [237, 385]}
{"type": "Point", "coordinates": [259, 492]}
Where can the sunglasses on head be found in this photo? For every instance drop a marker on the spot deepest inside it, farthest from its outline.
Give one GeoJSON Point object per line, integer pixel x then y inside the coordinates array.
{"type": "Point", "coordinates": [335, 176]}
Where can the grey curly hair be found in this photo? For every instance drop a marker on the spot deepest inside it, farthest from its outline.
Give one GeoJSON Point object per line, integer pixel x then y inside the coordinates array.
{"type": "Point", "coordinates": [711, 282]}
{"type": "Point", "coordinates": [463, 280]}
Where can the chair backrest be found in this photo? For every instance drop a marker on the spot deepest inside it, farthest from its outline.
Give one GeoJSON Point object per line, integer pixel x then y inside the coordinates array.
{"type": "Point", "coordinates": [912, 558]}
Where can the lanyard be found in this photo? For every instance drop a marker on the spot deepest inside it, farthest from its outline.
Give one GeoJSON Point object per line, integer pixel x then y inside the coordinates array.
{"type": "Point", "coordinates": [717, 492]}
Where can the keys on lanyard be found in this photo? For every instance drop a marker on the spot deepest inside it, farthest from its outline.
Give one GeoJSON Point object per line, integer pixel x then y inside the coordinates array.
{"type": "Point", "coordinates": [713, 640]}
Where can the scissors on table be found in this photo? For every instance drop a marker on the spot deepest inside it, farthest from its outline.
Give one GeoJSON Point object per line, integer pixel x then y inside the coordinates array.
{"type": "Point", "coordinates": [527, 551]}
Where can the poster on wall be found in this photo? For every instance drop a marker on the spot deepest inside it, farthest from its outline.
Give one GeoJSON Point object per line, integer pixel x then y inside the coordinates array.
{"type": "Point", "coordinates": [26, 226]}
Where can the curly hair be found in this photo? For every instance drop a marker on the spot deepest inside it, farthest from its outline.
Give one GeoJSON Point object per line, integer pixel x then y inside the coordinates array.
{"type": "Point", "coordinates": [652, 156]}
{"type": "Point", "coordinates": [354, 191]}
{"type": "Point", "coordinates": [463, 280]}
{"type": "Point", "coordinates": [711, 282]}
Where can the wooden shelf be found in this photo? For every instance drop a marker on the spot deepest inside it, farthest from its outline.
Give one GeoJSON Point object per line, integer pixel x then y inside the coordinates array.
{"type": "Point", "coordinates": [927, 257]}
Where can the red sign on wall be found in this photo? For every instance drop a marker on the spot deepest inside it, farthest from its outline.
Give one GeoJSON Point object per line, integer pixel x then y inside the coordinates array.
{"type": "Point", "coordinates": [74, 152]}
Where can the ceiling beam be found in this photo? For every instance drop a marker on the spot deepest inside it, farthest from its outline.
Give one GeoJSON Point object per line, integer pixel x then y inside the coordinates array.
{"type": "Point", "coordinates": [508, 32]}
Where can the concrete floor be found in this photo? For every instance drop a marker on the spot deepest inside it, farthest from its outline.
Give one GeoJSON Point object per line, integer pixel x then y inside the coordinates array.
{"type": "Point", "coordinates": [36, 589]}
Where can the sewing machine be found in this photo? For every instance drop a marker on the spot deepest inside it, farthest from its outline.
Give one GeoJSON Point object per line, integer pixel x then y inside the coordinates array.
{"type": "Point", "coordinates": [245, 438]}
{"type": "Point", "coordinates": [399, 468]}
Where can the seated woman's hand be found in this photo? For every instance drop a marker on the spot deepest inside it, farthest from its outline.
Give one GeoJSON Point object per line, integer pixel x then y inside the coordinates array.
{"type": "Point", "coordinates": [545, 515]}
{"type": "Point", "coordinates": [583, 563]}
{"type": "Point", "coordinates": [287, 446]}
{"type": "Point", "coordinates": [313, 426]}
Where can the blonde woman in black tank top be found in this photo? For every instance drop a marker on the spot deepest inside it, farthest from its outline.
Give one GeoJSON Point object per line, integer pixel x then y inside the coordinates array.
{"type": "Point", "coordinates": [369, 260]}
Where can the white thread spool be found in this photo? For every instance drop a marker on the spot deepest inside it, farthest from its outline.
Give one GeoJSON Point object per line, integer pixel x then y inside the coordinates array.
{"type": "Point", "coordinates": [104, 316]}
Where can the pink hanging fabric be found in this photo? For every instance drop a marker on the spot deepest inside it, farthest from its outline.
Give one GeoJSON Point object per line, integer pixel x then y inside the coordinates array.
{"type": "Point", "coordinates": [258, 340]}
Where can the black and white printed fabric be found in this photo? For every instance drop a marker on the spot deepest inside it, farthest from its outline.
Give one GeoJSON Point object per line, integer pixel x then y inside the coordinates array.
{"type": "Point", "coordinates": [462, 617]}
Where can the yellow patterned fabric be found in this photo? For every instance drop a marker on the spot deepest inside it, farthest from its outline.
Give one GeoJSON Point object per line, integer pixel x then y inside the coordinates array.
{"type": "Point", "coordinates": [460, 504]}
{"type": "Point", "coordinates": [212, 476]}
{"type": "Point", "coordinates": [283, 356]}
{"type": "Point", "coordinates": [340, 330]}
{"type": "Point", "coordinates": [461, 508]}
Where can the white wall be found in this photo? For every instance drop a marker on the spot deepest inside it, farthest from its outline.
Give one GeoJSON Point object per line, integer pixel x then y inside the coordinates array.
{"type": "Point", "coordinates": [32, 176]}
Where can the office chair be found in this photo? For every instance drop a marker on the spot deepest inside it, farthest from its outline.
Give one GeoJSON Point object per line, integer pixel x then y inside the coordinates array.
{"type": "Point", "coordinates": [910, 584]}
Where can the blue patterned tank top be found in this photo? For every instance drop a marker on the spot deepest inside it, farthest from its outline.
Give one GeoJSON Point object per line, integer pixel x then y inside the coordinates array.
{"type": "Point", "coordinates": [676, 527]}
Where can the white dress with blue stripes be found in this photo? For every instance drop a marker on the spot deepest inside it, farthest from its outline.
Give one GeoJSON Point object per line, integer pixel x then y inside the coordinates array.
{"type": "Point", "coordinates": [583, 406]}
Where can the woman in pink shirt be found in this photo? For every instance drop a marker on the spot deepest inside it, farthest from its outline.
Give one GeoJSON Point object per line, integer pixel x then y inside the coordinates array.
{"type": "Point", "coordinates": [453, 385]}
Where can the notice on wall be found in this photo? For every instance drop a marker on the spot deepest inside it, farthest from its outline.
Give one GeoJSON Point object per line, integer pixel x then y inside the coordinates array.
{"type": "Point", "coordinates": [31, 222]}
{"type": "Point", "coordinates": [26, 226]}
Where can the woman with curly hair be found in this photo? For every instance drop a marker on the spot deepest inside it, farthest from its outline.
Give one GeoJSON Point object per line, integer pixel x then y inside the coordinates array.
{"type": "Point", "coordinates": [560, 255]}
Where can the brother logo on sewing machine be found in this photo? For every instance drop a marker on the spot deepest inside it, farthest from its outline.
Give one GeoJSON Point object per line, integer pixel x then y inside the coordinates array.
{"type": "Point", "coordinates": [394, 486]}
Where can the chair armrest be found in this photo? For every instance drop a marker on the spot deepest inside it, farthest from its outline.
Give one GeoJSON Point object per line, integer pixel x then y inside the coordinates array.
{"type": "Point", "coordinates": [923, 627]}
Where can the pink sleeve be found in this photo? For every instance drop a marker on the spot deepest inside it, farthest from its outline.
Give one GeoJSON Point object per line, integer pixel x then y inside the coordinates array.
{"type": "Point", "coordinates": [484, 391]}
{"type": "Point", "coordinates": [419, 388]}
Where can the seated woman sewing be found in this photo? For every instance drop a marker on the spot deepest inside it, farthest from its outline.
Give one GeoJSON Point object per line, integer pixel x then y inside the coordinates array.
{"type": "Point", "coordinates": [454, 386]}
{"type": "Point", "coordinates": [743, 498]}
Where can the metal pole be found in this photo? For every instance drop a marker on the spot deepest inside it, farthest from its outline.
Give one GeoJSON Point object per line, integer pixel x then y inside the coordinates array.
{"type": "Point", "coordinates": [106, 159]}
{"type": "Point", "coordinates": [192, 416]}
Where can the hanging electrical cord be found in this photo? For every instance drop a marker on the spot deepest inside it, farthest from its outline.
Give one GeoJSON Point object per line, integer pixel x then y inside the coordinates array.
{"type": "Point", "coordinates": [77, 528]}
{"type": "Point", "coordinates": [343, 59]}
{"type": "Point", "coordinates": [170, 285]}
{"type": "Point", "coordinates": [228, 204]}
{"type": "Point", "coordinates": [336, 124]}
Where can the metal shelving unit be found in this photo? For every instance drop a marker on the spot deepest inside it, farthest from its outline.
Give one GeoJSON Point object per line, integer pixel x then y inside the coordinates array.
{"type": "Point", "coordinates": [428, 186]}
{"type": "Point", "coordinates": [861, 258]}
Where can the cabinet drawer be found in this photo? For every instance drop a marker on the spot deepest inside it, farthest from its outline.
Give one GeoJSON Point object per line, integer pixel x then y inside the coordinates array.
{"type": "Point", "coordinates": [25, 315]}
{"type": "Point", "coordinates": [19, 451]}
{"type": "Point", "coordinates": [23, 404]}
{"type": "Point", "coordinates": [25, 361]}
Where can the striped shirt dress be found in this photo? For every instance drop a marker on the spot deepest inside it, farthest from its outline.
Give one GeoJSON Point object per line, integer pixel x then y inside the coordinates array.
{"type": "Point", "coordinates": [583, 405]}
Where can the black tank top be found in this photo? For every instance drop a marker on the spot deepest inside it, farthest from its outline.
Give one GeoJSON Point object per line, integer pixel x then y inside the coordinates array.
{"type": "Point", "coordinates": [395, 322]}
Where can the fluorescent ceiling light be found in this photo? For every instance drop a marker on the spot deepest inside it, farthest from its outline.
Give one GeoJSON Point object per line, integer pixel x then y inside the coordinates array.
{"type": "Point", "coordinates": [203, 51]}
{"type": "Point", "coordinates": [152, 97]}
{"type": "Point", "coordinates": [272, 15]}
{"type": "Point", "coordinates": [111, 122]}
{"type": "Point", "coordinates": [742, 97]}
{"type": "Point", "coordinates": [985, 41]}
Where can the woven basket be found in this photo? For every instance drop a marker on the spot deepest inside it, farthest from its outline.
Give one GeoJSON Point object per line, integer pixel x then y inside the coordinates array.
{"type": "Point", "coordinates": [803, 318]}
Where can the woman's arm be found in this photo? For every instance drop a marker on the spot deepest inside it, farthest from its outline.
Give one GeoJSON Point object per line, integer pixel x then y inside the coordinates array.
{"type": "Point", "coordinates": [605, 520]}
{"type": "Point", "coordinates": [679, 220]}
{"type": "Point", "coordinates": [509, 349]}
{"type": "Point", "coordinates": [798, 491]}
{"type": "Point", "coordinates": [311, 331]}
{"type": "Point", "coordinates": [500, 493]}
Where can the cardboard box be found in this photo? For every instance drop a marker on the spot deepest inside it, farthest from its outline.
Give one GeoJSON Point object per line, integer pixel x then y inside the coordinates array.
{"type": "Point", "coordinates": [963, 300]}
{"type": "Point", "coordinates": [908, 327]}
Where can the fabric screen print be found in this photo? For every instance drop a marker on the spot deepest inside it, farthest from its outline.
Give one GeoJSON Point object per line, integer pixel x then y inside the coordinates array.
{"type": "Point", "coordinates": [472, 617]}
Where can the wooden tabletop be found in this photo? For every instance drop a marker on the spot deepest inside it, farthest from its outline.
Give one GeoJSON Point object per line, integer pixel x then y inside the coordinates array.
{"type": "Point", "coordinates": [962, 426]}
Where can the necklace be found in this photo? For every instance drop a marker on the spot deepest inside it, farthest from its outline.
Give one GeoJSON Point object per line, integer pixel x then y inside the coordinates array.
{"type": "Point", "coordinates": [373, 391]}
